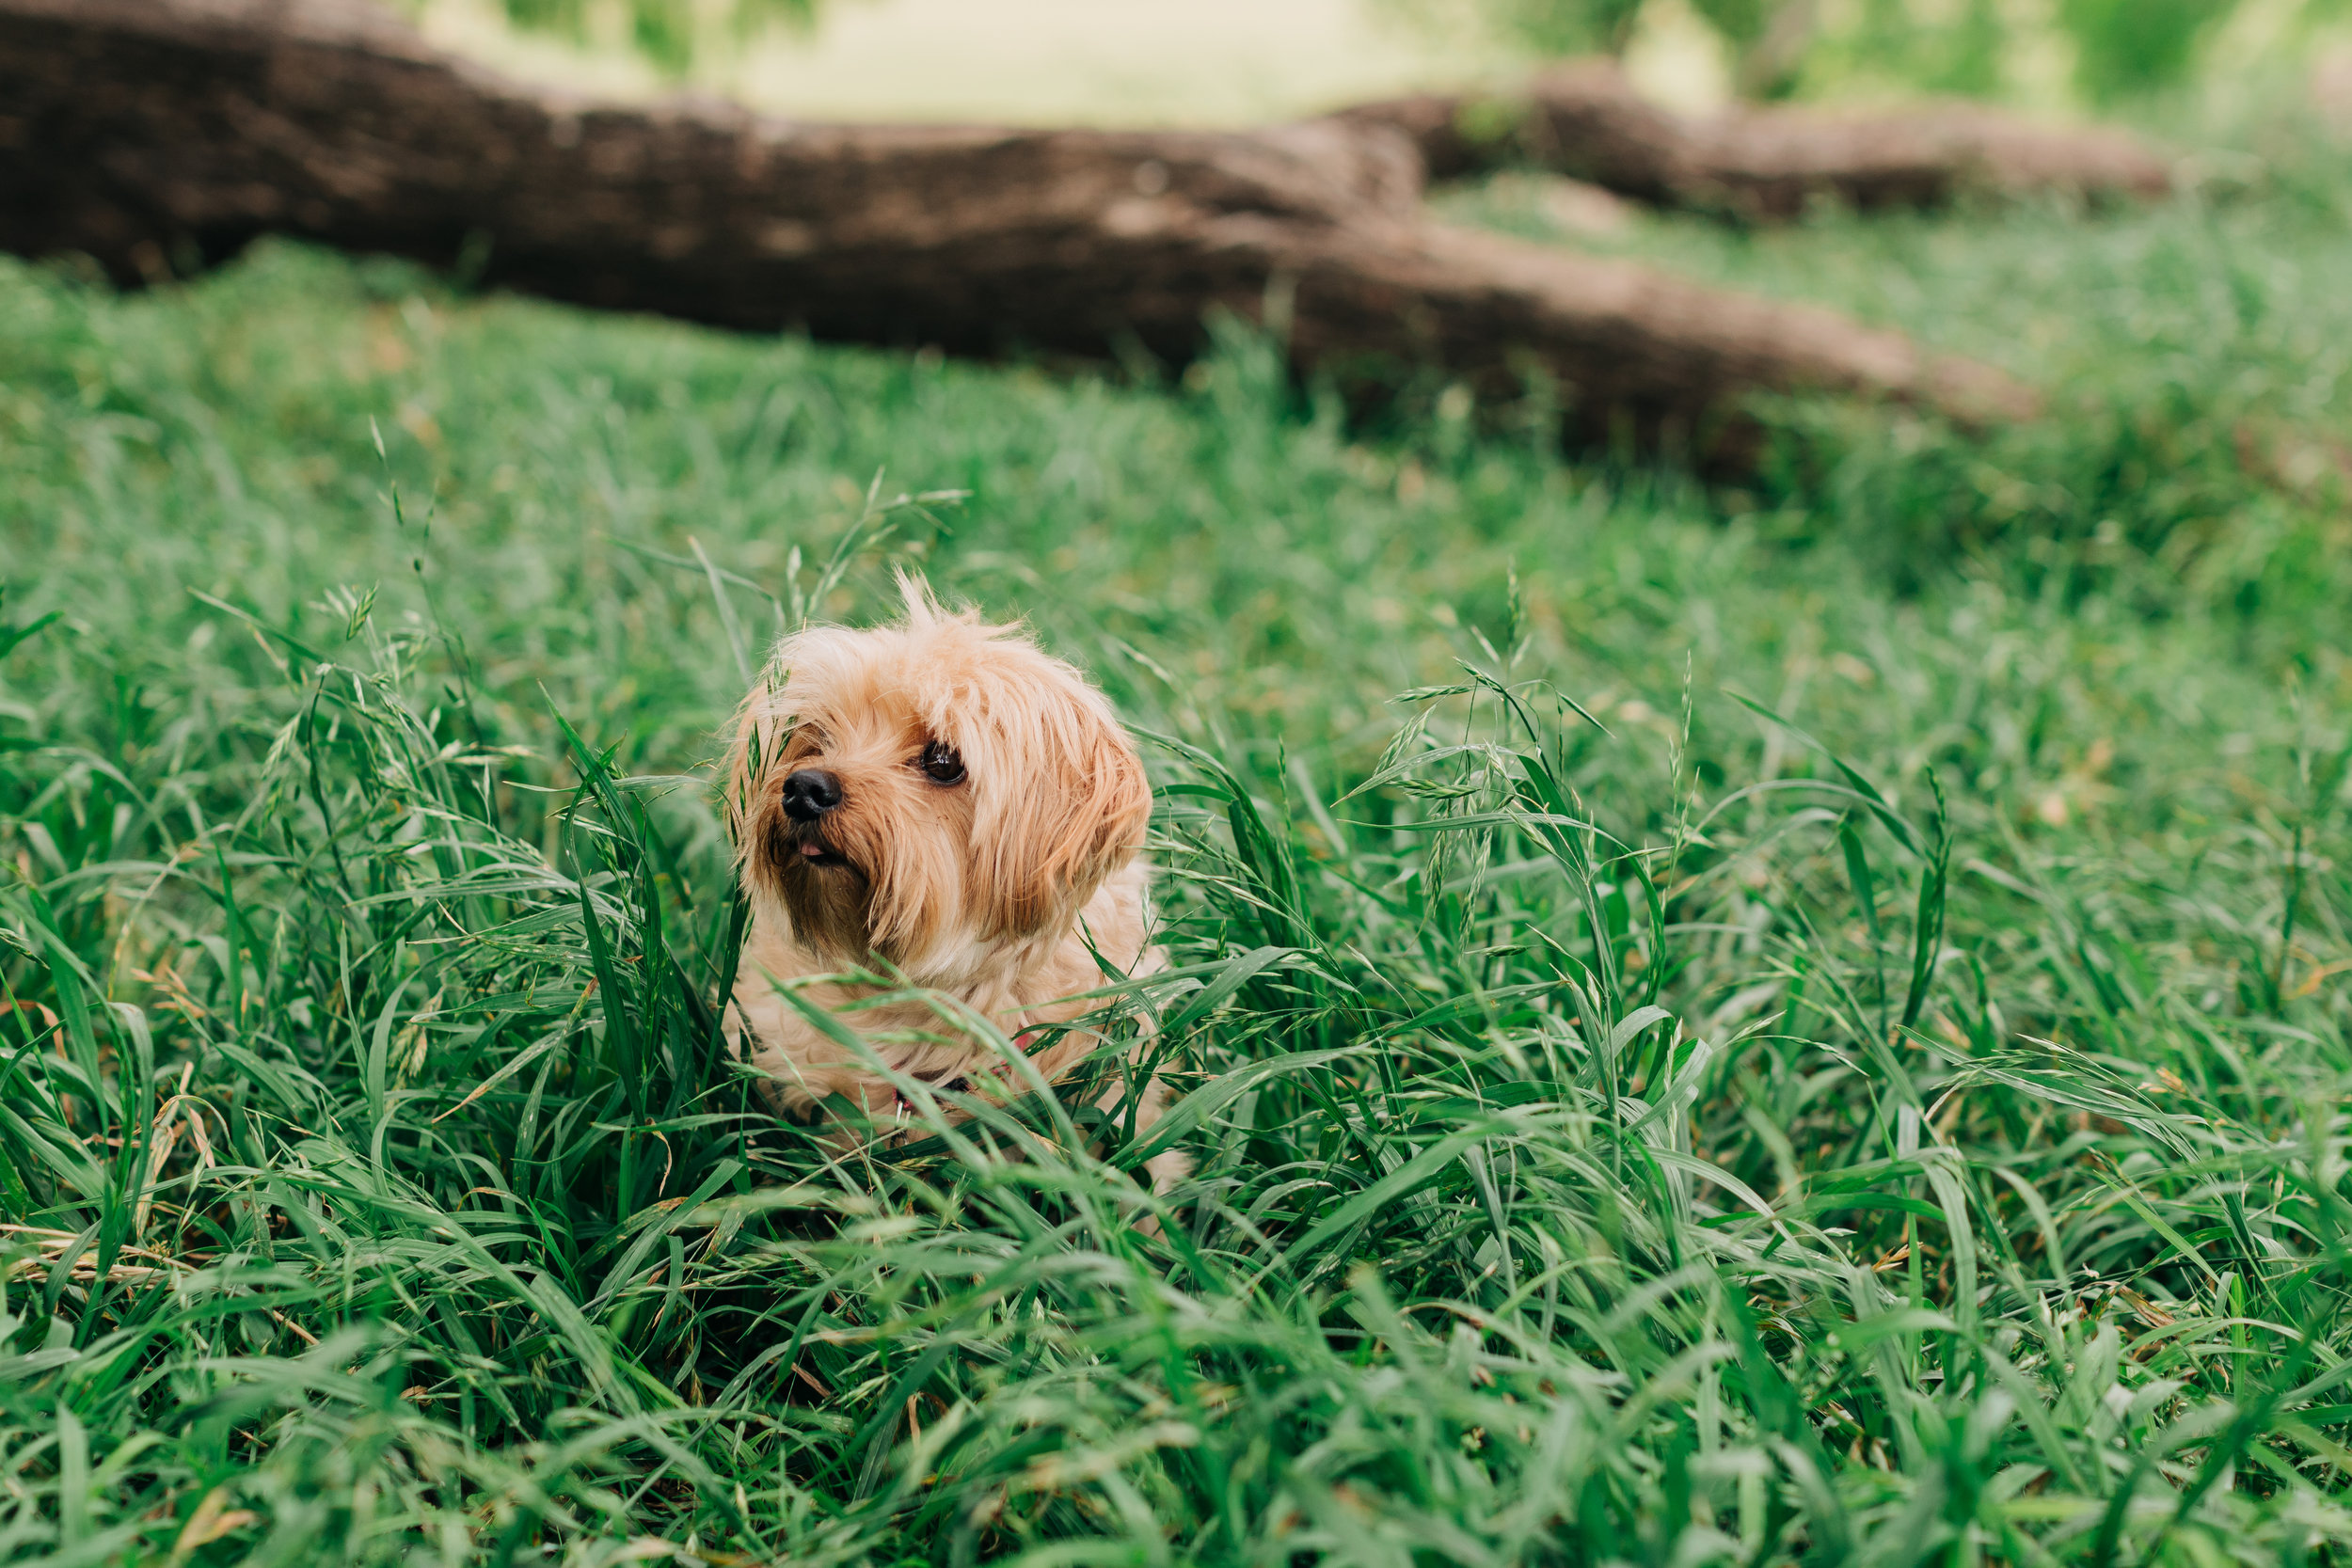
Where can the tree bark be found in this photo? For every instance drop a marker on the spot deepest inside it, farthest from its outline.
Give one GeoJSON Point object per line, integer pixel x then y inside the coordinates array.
{"type": "Point", "coordinates": [1583, 119]}
{"type": "Point", "coordinates": [156, 136]}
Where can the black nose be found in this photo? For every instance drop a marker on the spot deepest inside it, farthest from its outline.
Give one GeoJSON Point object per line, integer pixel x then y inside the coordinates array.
{"type": "Point", "coordinates": [810, 793]}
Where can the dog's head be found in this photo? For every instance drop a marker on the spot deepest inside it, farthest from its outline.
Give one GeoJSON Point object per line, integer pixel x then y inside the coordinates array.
{"type": "Point", "coordinates": [932, 791]}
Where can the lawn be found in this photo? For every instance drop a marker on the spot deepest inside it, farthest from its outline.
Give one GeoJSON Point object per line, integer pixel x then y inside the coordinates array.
{"type": "Point", "coordinates": [1795, 1022]}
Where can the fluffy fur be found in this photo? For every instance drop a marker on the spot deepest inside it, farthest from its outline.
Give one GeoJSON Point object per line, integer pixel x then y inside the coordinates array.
{"type": "Point", "coordinates": [997, 888]}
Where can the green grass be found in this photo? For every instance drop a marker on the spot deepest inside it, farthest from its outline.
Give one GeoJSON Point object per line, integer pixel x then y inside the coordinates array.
{"type": "Point", "coordinates": [1905, 1132]}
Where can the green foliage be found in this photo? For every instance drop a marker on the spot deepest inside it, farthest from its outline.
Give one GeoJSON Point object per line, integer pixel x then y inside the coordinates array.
{"type": "Point", "coordinates": [667, 32]}
{"type": "Point", "coordinates": [1558, 28]}
{"type": "Point", "coordinates": [2127, 46]}
{"type": "Point", "coordinates": [1815, 1030]}
{"type": "Point", "coordinates": [2122, 48]}
{"type": "Point", "coordinates": [1950, 49]}
{"type": "Point", "coordinates": [1565, 26]}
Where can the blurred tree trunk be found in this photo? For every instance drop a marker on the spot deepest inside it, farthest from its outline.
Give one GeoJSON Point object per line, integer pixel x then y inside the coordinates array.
{"type": "Point", "coordinates": [1583, 119]}
{"type": "Point", "coordinates": [156, 136]}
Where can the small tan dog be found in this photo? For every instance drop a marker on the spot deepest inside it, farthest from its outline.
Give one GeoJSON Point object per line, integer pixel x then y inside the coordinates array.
{"type": "Point", "coordinates": [945, 796]}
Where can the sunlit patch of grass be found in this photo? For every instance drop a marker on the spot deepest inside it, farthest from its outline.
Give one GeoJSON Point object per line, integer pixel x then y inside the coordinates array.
{"type": "Point", "coordinates": [1814, 1029]}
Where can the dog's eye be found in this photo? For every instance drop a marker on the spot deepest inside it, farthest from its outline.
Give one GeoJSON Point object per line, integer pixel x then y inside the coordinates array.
{"type": "Point", "coordinates": [941, 762]}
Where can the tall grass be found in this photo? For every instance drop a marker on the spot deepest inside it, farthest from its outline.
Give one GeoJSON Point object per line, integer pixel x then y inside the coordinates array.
{"type": "Point", "coordinates": [1813, 1029]}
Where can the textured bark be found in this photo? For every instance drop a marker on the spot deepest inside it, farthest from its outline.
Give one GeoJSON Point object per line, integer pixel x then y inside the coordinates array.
{"type": "Point", "coordinates": [157, 134]}
{"type": "Point", "coordinates": [1583, 119]}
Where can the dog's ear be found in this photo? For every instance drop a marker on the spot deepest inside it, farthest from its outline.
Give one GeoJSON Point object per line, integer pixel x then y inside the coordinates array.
{"type": "Point", "coordinates": [1078, 817]}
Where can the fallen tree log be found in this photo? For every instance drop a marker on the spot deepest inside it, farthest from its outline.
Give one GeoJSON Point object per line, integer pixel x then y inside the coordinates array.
{"type": "Point", "coordinates": [157, 136]}
{"type": "Point", "coordinates": [1584, 119]}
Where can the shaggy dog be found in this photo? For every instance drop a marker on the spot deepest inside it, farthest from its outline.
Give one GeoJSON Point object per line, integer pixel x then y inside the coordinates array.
{"type": "Point", "coordinates": [945, 797]}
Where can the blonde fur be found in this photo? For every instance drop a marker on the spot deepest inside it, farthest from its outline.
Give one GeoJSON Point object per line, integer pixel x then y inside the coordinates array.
{"type": "Point", "coordinates": [998, 889]}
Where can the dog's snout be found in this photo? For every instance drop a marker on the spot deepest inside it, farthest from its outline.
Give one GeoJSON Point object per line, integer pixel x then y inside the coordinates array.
{"type": "Point", "coordinates": [810, 793]}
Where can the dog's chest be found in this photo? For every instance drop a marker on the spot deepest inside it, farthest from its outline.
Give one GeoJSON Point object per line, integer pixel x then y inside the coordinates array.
{"type": "Point", "coordinates": [1015, 986]}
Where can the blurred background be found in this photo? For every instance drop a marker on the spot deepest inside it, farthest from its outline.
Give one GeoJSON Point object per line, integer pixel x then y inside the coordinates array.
{"type": "Point", "coordinates": [368, 630]}
{"type": "Point", "coordinates": [1217, 62]}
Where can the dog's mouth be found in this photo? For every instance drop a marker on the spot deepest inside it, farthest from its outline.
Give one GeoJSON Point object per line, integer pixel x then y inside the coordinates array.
{"type": "Point", "coordinates": [814, 852]}
{"type": "Point", "coordinates": [827, 892]}
{"type": "Point", "coordinates": [806, 846]}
